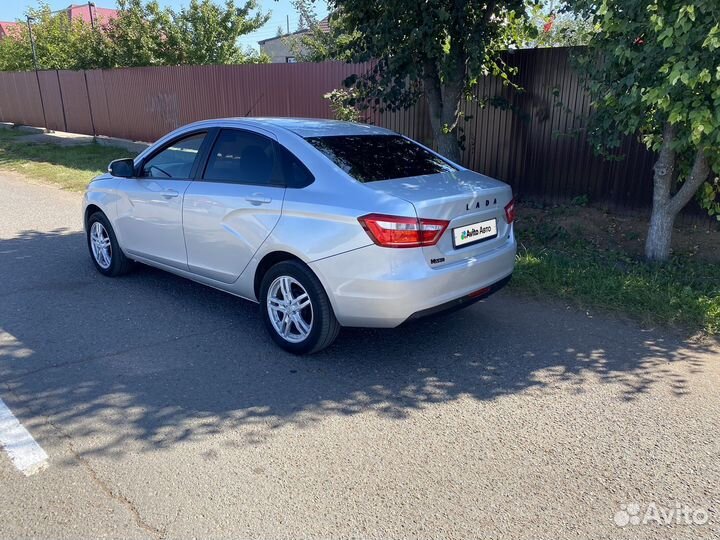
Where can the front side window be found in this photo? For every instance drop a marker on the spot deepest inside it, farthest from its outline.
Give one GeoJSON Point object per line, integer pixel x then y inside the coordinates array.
{"type": "Point", "coordinates": [371, 158]}
{"type": "Point", "coordinates": [176, 160]}
{"type": "Point", "coordinates": [242, 157]}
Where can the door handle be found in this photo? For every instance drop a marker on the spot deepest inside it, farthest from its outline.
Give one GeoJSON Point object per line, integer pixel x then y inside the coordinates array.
{"type": "Point", "coordinates": [170, 193]}
{"type": "Point", "coordinates": [257, 199]}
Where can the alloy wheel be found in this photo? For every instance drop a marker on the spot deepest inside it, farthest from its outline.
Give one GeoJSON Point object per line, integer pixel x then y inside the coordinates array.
{"type": "Point", "coordinates": [101, 245]}
{"type": "Point", "coordinates": [290, 309]}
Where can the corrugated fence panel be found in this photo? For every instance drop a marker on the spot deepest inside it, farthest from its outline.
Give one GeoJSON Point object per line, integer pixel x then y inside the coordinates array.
{"type": "Point", "coordinates": [98, 102]}
{"type": "Point", "coordinates": [75, 100]}
{"type": "Point", "coordinates": [52, 98]}
{"type": "Point", "coordinates": [20, 99]}
{"type": "Point", "coordinates": [145, 103]}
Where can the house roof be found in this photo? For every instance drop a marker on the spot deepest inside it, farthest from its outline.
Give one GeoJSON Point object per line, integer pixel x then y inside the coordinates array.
{"type": "Point", "coordinates": [323, 25]}
{"type": "Point", "coordinates": [99, 14]}
{"type": "Point", "coordinates": [6, 27]}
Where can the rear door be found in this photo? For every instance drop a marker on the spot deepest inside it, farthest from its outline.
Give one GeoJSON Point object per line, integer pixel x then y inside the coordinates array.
{"type": "Point", "coordinates": [232, 209]}
{"type": "Point", "coordinates": [150, 205]}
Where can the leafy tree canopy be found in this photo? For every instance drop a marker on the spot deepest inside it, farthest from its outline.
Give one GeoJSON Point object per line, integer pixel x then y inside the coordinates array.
{"type": "Point", "coordinates": [143, 34]}
{"type": "Point", "coordinates": [436, 48]}
{"type": "Point", "coordinates": [558, 29]}
{"type": "Point", "coordinates": [59, 43]}
{"type": "Point", "coordinates": [203, 33]}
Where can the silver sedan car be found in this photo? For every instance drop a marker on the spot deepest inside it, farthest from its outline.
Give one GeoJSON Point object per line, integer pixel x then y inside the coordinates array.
{"type": "Point", "coordinates": [323, 223]}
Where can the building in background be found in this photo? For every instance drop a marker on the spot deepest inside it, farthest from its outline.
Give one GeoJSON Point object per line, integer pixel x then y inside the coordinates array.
{"type": "Point", "coordinates": [89, 13]}
{"type": "Point", "coordinates": [7, 28]}
{"type": "Point", "coordinates": [284, 49]}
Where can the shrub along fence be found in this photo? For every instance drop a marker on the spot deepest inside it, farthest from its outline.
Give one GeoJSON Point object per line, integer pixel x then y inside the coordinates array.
{"type": "Point", "coordinates": [533, 139]}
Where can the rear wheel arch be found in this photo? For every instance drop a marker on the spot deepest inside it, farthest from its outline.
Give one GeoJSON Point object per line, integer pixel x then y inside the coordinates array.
{"type": "Point", "coordinates": [267, 262]}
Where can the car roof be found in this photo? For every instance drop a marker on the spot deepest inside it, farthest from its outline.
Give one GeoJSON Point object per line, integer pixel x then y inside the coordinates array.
{"type": "Point", "coordinates": [306, 127]}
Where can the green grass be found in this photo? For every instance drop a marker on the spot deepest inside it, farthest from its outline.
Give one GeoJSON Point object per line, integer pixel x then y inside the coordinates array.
{"type": "Point", "coordinates": [70, 167]}
{"type": "Point", "coordinates": [555, 262]}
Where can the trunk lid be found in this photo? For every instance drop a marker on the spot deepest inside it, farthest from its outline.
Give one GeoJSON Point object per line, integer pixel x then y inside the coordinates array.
{"type": "Point", "coordinates": [464, 198]}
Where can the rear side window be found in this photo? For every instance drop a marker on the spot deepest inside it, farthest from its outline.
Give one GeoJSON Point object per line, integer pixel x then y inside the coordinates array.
{"type": "Point", "coordinates": [242, 157]}
{"type": "Point", "coordinates": [296, 174]}
{"type": "Point", "coordinates": [370, 158]}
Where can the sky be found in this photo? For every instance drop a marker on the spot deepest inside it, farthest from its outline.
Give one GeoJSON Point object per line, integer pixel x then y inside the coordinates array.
{"type": "Point", "coordinates": [281, 9]}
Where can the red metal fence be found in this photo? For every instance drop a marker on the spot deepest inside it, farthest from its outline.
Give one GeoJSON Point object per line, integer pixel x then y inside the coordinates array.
{"type": "Point", "coordinates": [536, 142]}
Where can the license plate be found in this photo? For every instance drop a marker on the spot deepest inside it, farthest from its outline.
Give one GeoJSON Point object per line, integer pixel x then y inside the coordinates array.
{"type": "Point", "coordinates": [472, 234]}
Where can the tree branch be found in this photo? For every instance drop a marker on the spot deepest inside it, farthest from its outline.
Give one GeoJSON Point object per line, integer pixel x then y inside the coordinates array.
{"type": "Point", "coordinates": [698, 175]}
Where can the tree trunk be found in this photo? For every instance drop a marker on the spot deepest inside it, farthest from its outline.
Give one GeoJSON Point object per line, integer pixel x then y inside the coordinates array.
{"type": "Point", "coordinates": [666, 207]}
{"type": "Point", "coordinates": [659, 238]}
{"type": "Point", "coordinates": [443, 103]}
{"type": "Point", "coordinates": [448, 146]}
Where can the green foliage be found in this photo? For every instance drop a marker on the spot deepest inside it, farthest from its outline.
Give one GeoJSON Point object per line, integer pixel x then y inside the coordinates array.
{"type": "Point", "coordinates": [143, 34]}
{"type": "Point", "coordinates": [580, 200]}
{"type": "Point", "coordinates": [453, 40]}
{"type": "Point", "coordinates": [563, 29]}
{"type": "Point", "coordinates": [654, 62]}
{"type": "Point", "coordinates": [59, 43]}
{"type": "Point", "coordinates": [339, 100]}
{"type": "Point", "coordinates": [203, 33]}
{"type": "Point", "coordinates": [437, 48]}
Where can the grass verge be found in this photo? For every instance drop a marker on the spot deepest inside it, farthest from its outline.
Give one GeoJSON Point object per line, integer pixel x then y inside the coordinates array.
{"type": "Point", "coordinates": [70, 167]}
{"type": "Point", "coordinates": [561, 262]}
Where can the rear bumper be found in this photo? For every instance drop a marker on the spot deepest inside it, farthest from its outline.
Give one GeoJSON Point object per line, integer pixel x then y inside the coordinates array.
{"type": "Point", "coordinates": [463, 301]}
{"type": "Point", "coordinates": [380, 287]}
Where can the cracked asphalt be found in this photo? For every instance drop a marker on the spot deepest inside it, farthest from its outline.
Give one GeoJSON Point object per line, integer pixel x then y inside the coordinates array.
{"type": "Point", "coordinates": [167, 413]}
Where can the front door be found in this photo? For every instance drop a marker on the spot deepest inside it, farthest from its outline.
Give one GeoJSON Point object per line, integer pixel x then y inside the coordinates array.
{"type": "Point", "coordinates": [150, 206]}
{"type": "Point", "coordinates": [229, 213]}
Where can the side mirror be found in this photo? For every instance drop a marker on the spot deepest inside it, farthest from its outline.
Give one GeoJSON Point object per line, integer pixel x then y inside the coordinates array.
{"type": "Point", "coordinates": [122, 168]}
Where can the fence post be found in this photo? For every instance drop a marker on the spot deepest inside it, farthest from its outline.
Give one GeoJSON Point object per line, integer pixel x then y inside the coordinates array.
{"type": "Point", "coordinates": [87, 92]}
{"type": "Point", "coordinates": [62, 101]}
{"type": "Point", "coordinates": [37, 75]}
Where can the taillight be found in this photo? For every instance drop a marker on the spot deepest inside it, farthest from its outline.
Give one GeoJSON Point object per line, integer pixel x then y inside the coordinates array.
{"type": "Point", "coordinates": [402, 232]}
{"type": "Point", "coordinates": [510, 211]}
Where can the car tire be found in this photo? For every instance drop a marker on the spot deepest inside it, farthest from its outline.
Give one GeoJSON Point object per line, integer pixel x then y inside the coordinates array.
{"type": "Point", "coordinates": [293, 279]}
{"type": "Point", "coordinates": [112, 262]}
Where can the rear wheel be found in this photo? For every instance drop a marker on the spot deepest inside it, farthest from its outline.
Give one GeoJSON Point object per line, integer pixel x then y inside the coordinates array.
{"type": "Point", "coordinates": [296, 309]}
{"type": "Point", "coordinates": [104, 249]}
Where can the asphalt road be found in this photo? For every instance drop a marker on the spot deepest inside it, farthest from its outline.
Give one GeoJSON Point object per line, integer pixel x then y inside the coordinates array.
{"type": "Point", "coordinates": [166, 412]}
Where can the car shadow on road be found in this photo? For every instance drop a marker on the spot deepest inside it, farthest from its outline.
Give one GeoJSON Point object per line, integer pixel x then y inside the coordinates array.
{"type": "Point", "coordinates": [150, 360]}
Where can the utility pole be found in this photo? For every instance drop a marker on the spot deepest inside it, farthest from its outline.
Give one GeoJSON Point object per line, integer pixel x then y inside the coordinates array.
{"type": "Point", "coordinates": [287, 20]}
{"type": "Point", "coordinates": [92, 20]}
{"type": "Point", "coordinates": [37, 74]}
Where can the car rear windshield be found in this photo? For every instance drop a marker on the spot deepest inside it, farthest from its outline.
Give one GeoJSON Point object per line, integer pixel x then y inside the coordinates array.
{"type": "Point", "coordinates": [370, 158]}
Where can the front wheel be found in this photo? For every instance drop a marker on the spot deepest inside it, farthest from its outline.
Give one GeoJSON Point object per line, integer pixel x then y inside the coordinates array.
{"type": "Point", "coordinates": [104, 249]}
{"type": "Point", "coordinates": [296, 309]}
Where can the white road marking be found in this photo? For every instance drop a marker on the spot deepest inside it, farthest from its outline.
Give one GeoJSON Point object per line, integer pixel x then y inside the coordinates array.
{"type": "Point", "coordinates": [24, 452]}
